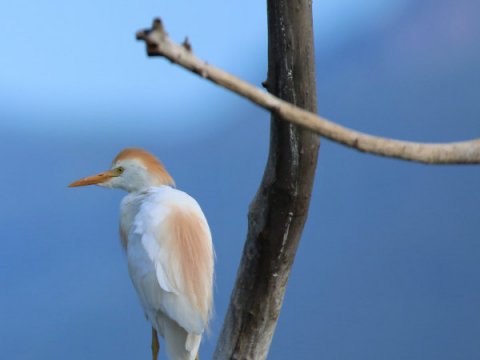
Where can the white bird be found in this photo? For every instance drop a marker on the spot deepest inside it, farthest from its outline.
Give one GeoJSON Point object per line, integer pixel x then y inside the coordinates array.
{"type": "Point", "coordinates": [169, 250]}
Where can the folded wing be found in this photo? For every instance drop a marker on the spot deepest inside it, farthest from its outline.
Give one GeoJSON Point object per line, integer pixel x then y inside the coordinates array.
{"type": "Point", "coordinates": [176, 242]}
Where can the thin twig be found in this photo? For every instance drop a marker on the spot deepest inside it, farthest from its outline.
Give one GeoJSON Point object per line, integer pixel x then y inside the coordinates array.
{"type": "Point", "coordinates": [464, 152]}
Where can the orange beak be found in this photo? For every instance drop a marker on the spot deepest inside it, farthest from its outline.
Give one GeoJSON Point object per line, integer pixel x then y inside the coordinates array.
{"type": "Point", "coordinates": [95, 179]}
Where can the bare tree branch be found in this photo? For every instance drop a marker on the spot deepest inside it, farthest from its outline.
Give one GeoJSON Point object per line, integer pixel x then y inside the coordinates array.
{"type": "Point", "coordinates": [464, 152]}
{"type": "Point", "coordinates": [279, 210]}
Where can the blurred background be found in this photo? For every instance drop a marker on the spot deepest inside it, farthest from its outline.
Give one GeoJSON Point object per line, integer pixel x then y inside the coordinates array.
{"type": "Point", "coordinates": [388, 267]}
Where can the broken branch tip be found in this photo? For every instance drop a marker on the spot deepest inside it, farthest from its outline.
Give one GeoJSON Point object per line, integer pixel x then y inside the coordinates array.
{"type": "Point", "coordinates": [157, 24]}
{"type": "Point", "coordinates": [186, 45]}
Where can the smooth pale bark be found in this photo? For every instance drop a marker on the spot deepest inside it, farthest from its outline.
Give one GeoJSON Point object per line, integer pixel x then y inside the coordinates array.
{"type": "Point", "coordinates": [461, 152]}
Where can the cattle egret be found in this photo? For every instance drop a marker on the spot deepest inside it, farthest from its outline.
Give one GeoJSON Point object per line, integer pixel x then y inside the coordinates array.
{"type": "Point", "coordinates": [168, 247]}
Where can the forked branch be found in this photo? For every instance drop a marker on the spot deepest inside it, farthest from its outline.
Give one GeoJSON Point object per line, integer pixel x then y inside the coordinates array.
{"type": "Point", "coordinates": [463, 152]}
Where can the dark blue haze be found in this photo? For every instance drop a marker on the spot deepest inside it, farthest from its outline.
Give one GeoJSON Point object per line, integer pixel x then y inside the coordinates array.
{"type": "Point", "coordinates": [389, 264]}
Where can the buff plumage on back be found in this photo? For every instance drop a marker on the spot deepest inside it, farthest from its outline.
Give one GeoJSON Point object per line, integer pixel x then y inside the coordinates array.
{"type": "Point", "coordinates": [189, 242]}
{"type": "Point", "coordinates": [151, 163]}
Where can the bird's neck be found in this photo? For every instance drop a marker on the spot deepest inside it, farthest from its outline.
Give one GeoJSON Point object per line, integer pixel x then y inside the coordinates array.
{"type": "Point", "coordinates": [142, 181]}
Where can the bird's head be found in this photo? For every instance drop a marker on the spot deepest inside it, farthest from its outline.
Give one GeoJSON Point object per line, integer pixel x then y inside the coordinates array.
{"type": "Point", "coordinates": [132, 170]}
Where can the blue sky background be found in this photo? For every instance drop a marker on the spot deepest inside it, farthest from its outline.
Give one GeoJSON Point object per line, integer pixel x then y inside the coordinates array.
{"type": "Point", "coordinates": [388, 266]}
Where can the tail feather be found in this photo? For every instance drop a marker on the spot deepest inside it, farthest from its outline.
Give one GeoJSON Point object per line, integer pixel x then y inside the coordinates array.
{"type": "Point", "coordinates": [193, 343]}
{"type": "Point", "coordinates": [180, 344]}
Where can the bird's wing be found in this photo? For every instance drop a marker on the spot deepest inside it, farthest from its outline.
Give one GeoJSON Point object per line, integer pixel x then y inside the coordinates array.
{"type": "Point", "coordinates": [175, 236]}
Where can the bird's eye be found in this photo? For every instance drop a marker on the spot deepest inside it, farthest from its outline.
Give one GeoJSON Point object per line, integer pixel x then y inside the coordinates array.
{"type": "Point", "coordinates": [120, 170]}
